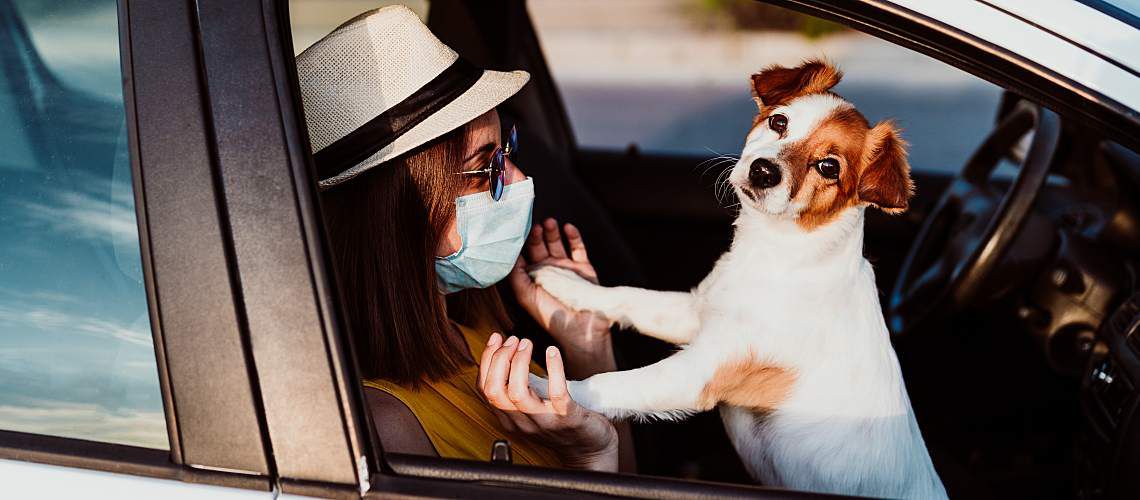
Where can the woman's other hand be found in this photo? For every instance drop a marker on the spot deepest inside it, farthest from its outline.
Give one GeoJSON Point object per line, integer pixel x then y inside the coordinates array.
{"type": "Point", "coordinates": [585, 440]}
{"type": "Point", "coordinates": [585, 335]}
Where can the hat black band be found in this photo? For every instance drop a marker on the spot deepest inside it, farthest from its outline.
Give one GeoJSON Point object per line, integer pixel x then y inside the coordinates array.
{"type": "Point", "coordinates": [366, 140]}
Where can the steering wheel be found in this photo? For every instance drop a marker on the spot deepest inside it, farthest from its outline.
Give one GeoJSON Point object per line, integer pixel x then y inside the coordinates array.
{"type": "Point", "coordinates": [973, 225]}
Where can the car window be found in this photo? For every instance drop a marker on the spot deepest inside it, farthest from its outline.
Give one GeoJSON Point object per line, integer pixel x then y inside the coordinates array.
{"type": "Point", "coordinates": [674, 78]}
{"type": "Point", "coordinates": [310, 20]}
{"type": "Point", "coordinates": [76, 353]}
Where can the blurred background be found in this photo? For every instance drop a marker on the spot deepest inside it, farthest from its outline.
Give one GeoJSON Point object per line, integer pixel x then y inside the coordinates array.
{"type": "Point", "coordinates": [672, 75]}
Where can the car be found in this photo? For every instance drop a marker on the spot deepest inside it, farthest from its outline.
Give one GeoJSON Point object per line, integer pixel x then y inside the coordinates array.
{"type": "Point", "coordinates": [171, 321]}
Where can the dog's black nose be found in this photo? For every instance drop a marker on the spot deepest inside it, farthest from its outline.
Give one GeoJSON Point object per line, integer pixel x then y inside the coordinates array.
{"type": "Point", "coordinates": [764, 174]}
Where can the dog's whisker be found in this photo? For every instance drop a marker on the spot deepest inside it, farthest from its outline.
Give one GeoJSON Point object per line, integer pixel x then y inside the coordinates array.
{"type": "Point", "coordinates": [714, 163]}
{"type": "Point", "coordinates": [722, 185]}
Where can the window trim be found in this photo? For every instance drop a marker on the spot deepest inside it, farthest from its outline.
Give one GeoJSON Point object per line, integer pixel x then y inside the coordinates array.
{"type": "Point", "coordinates": [268, 193]}
{"type": "Point", "coordinates": [208, 388]}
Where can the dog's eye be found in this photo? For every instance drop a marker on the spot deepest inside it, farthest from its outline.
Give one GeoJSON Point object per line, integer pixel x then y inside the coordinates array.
{"type": "Point", "coordinates": [778, 123]}
{"type": "Point", "coordinates": [828, 168]}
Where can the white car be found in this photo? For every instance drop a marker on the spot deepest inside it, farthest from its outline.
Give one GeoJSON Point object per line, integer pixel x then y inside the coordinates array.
{"type": "Point", "coordinates": [170, 324]}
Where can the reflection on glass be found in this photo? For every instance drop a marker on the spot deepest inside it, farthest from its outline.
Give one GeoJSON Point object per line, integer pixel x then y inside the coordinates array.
{"type": "Point", "coordinates": [76, 355]}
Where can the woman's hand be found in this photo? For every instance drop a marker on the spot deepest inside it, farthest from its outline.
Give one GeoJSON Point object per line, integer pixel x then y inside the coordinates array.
{"type": "Point", "coordinates": [584, 335]}
{"type": "Point", "coordinates": [586, 440]}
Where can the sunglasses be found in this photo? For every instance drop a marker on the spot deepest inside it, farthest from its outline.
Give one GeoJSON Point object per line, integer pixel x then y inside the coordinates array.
{"type": "Point", "coordinates": [497, 170]}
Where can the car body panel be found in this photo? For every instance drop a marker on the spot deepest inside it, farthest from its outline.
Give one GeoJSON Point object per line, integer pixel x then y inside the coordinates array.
{"type": "Point", "coordinates": [1045, 48]}
{"type": "Point", "coordinates": [1084, 26]}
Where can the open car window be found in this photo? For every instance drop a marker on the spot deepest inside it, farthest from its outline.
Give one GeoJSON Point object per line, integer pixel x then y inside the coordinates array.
{"type": "Point", "coordinates": [625, 102]}
{"type": "Point", "coordinates": [675, 82]}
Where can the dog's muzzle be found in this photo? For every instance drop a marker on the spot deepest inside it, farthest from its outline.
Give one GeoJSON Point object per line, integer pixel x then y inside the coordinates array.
{"type": "Point", "coordinates": [763, 174]}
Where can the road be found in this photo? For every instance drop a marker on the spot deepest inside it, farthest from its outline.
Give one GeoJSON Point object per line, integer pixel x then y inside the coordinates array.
{"type": "Point", "coordinates": [943, 125]}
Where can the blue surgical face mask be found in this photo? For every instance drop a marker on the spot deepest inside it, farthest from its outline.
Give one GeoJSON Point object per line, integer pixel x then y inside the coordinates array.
{"type": "Point", "coordinates": [493, 233]}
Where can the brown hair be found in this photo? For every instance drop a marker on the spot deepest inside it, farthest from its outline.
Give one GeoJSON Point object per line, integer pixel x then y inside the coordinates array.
{"type": "Point", "coordinates": [384, 227]}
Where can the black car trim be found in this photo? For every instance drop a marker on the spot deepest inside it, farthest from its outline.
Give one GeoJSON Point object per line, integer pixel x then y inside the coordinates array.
{"type": "Point", "coordinates": [228, 247]}
{"type": "Point", "coordinates": [127, 71]}
{"type": "Point", "coordinates": [308, 409]}
{"type": "Point", "coordinates": [208, 391]}
{"type": "Point", "coordinates": [115, 458]}
{"type": "Point", "coordinates": [349, 391]}
{"type": "Point", "coordinates": [981, 58]}
{"type": "Point", "coordinates": [1072, 42]}
{"type": "Point", "coordinates": [603, 483]}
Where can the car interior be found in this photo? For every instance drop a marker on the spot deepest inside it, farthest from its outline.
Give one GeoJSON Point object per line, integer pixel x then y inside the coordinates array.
{"type": "Point", "coordinates": [998, 288]}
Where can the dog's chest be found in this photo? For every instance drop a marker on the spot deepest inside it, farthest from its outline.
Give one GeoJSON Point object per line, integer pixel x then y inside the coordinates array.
{"type": "Point", "coordinates": [767, 297]}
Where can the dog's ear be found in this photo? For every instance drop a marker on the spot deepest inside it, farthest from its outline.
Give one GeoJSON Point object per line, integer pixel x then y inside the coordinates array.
{"type": "Point", "coordinates": [777, 85]}
{"type": "Point", "coordinates": [884, 180]}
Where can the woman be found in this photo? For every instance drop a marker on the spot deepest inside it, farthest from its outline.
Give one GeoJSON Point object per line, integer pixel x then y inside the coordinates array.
{"type": "Point", "coordinates": [425, 212]}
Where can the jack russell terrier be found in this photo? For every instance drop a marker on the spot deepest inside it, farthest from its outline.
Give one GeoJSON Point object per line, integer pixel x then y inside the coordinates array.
{"type": "Point", "coordinates": [785, 335]}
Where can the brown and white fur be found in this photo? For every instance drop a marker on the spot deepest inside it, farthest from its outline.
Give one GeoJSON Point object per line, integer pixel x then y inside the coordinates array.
{"type": "Point", "coordinates": [785, 335]}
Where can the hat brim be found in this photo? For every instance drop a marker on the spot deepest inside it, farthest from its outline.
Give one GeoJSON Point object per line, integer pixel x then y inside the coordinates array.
{"type": "Point", "coordinates": [492, 88]}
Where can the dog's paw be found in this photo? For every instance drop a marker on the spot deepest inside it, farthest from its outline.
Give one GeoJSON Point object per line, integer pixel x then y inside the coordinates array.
{"type": "Point", "coordinates": [579, 392]}
{"type": "Point", "coordinates": [566, 286]}
{"type": "Point", "coordinates": [582, 394]}
{"type": "Point", "coordinates": [540, 386]}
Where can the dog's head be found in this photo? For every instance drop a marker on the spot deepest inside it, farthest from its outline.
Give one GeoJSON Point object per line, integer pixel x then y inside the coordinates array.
{"type": "Point", "coordinates": [811, 155]}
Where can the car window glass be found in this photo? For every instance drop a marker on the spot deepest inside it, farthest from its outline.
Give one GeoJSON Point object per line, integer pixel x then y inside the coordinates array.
{"type": "Point", "coordinates": [310, 20]}
{"type": "Point", "coordinates": [674, 78]}
{"type": "Point", "coordinates": [76, 354]}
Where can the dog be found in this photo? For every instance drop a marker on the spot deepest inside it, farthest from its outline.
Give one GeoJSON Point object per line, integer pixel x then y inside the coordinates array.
{"type": "Point", "coordinates": [786, 334]}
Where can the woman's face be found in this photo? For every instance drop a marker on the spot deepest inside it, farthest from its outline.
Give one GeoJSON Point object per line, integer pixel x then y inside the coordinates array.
{"type": "Point", "coordinates": [485, 137]}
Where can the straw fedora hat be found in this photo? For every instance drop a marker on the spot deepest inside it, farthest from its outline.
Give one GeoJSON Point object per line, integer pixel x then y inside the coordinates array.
{"type": "Point", "coordinates": [381, 85]}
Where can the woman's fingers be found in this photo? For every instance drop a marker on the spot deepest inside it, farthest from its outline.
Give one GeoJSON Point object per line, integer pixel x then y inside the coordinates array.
{"type": "Point", "coordinates": [553, 238]}
{"type": "Point", "coordinates": [488, 352]}
{"type": "Point", "coordinates": [495, 382]}
{"type": "Point", "coordinates": [535, 245]}
{"type": "Point", "coordinates": [577, 246]}
{"type": "Point", "coordinates": [518, 387]}
{"type": "Point", "coordinates": [556, 382]}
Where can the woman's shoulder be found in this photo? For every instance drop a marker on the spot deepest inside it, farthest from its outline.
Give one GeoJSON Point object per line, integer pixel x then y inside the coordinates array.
{"type": "Point", "coordinates": [396, 424]}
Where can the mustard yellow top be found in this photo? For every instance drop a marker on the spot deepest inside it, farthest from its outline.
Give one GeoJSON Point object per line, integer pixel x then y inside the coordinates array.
{"type": "Point", "coordinates": [458, 421]}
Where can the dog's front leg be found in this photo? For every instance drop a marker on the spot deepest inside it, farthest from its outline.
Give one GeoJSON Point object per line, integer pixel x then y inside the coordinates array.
{"type": "Point", "coordinates": [669, 316]}
{"type": "Point", "coordinates": [670, 389]}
